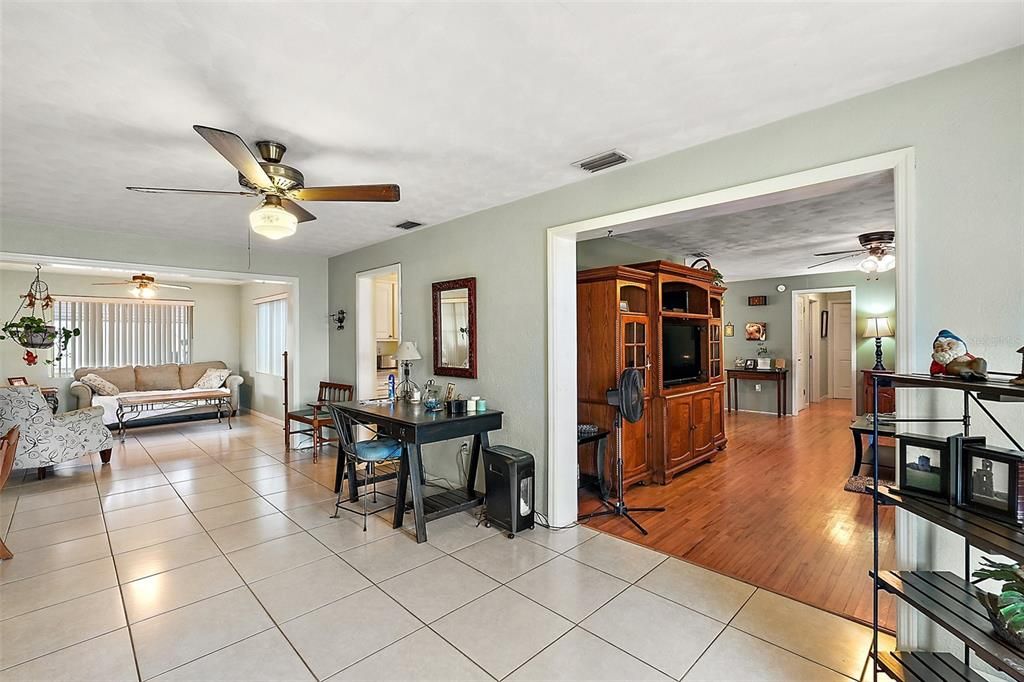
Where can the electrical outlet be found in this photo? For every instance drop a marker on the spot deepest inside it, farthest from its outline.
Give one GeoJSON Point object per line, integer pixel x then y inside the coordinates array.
{"type": "Point", "coordinates": [757, 388]}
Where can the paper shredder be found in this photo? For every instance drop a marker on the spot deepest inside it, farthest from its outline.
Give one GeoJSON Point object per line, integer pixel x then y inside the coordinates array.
{"type": "Point", "coordinates": [508, 473]}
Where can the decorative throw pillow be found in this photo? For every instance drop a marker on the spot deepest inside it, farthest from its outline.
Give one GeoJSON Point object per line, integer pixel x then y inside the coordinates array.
{"type": "Point", "coordinates": [99, 385]}
{"type": "Point", "coordinates": [213, 378]}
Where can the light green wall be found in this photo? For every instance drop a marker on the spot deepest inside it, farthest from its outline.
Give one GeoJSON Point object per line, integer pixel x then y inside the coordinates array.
{"type": "Point", "coordinates": [964, 123]}
{"type": "Point", "coordinates": [214, 320]}
{"type": "Point", "coordinates": [597, 253]}
{"type": "Point", "coordinates": [875, 297]}
{"type": "Point", "coordinates": [134, 250]}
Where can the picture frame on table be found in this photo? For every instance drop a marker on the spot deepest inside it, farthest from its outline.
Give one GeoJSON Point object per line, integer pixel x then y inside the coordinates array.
{"type": "Point", "coordinates": [449, 392]}
{"type": "Point", "coordinates": [17, 381]}
{"type": "Point", "coordinates": [750, 363]}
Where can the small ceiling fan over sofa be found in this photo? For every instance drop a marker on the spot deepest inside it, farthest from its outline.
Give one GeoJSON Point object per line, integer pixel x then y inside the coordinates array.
{"type": "Point", "coordinates": [876, 247]}
{"type": "Point", "coordinates": [279, 185]}
{"type": "Point", "coordinates": [142, 286]}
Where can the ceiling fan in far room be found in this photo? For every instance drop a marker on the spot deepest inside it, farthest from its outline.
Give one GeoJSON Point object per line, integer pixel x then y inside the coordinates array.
{"type": "Point", "coordinates": [279, 185]}
{"type": "Point", "coordinates": [142, 286]}
{"type": "Point", "coordinates": [876, 247]}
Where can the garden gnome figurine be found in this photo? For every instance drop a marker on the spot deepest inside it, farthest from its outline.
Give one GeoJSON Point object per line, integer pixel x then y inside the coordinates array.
{"type": "Point", "coordinates": [950, 357]}
{"type": "Point", "coordinates": [1019, 380]}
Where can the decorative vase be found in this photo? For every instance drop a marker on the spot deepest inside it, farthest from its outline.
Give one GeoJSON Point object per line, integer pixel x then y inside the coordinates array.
{"type": "Point", "coordinates": [991, 604]}
{"type": "Point", "coordinates": [432, 397]}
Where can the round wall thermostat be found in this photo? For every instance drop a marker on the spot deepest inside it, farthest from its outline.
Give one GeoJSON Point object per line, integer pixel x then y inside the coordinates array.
{"type": "Point", "coordinates": [780, 288]}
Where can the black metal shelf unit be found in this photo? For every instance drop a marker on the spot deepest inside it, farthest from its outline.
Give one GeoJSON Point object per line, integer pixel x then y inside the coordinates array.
{"type": "Point", "coordinates": [948, 600]}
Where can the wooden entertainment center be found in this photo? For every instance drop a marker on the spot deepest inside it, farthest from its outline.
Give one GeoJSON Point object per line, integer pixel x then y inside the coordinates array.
{"type": "Point", "coordinates": [626, 316]}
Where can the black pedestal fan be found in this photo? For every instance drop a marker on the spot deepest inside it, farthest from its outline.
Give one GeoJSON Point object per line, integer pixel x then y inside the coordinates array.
{"type": "Point", "coordinates": [629, 399]}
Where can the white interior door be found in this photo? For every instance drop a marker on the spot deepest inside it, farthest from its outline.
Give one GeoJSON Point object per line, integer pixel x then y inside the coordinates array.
{"type": "Point", "coordinates": [840, 321]}
{"type": "Point", "coordinates": [800, 353]}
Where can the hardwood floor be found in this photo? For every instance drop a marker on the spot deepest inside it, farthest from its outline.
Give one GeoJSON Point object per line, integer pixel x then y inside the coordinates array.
{"type": "Point", "coordinates": [771, 510]}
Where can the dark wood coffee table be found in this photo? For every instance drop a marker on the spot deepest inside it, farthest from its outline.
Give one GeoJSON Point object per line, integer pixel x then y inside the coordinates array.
{"type": "Point", "coordinates": [862, 427]}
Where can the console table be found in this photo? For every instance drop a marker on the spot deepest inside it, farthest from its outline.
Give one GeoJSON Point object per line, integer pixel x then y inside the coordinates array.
{"type": "Point", "coordinates": [779, 376]}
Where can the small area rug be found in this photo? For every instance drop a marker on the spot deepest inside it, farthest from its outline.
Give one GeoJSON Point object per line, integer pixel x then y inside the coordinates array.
{"type": "Point", "coordinates": [859, 484]}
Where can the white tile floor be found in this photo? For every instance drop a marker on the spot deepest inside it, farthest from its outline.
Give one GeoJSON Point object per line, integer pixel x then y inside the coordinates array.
{"type": "Point", "coordinates": [204, 554]}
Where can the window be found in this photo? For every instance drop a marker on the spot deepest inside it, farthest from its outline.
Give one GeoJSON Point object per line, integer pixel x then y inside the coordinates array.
{"type": "Point", "coordinates": [118, 332]}
{"type": "Point", "coordinates": [271, 335]}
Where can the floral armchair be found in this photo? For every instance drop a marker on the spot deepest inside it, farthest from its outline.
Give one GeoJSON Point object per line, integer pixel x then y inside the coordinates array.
{"type": "Point", "coordinates": [48, 439]}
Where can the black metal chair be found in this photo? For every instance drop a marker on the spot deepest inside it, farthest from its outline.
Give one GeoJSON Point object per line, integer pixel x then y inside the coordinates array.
{"type": "Point", "coordinates": [370, 453]}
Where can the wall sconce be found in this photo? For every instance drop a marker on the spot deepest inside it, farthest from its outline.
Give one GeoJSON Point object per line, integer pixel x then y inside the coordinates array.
{"type": "Point", "coordinates": [338, 318]}
{"type": "Point", "coordinates": [729, 330]}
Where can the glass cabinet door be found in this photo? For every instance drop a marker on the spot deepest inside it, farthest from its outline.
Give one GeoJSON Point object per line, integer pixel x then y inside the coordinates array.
{"type": "Point", "coordinates": [635, 351]}
{"type": "Point", "coordinates": [715, 350]}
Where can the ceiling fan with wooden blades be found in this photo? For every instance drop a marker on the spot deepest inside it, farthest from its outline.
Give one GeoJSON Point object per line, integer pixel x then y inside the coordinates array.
{"type": "Point", "coordinates": [279, 184]}
{"type": "Point", "coordinates": [142, 286]}
{"type": "Point", "coordinates": [876, 247]}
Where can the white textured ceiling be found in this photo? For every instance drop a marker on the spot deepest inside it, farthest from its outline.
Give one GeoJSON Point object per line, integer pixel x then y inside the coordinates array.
{"type": "Point", "coordinates": [777, 235]}
{"type": "Point", "coordinates": [466, 106]}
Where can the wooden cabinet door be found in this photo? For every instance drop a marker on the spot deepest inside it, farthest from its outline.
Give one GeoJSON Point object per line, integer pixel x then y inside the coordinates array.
{"type": "Point", "coordinates": [634, 331]}
{"type": "Point", "coordinates": [703, 435]}
{"type": "Point", "coordinates": [635, 447]}
{"type": "Point", "coordinates": [678, 431]}
{"type": "Point", "coordinates": [717, 415]}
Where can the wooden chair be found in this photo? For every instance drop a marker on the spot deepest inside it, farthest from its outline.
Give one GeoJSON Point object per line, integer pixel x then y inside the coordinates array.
{"type": "Point", "coordinates": [8, 448]}
{"type": "Point", "coordinates": [315, 415]}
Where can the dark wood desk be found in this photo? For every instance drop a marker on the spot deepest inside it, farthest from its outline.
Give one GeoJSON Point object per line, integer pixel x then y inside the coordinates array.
{"type": "Point", "coordinates": [414, 426]}
{"type": "Point", "coordinates": [779, 376]}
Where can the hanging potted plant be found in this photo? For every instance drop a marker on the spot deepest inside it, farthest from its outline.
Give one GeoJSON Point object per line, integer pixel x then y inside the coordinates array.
{"type": "Point", "coordinates": [33, 331]}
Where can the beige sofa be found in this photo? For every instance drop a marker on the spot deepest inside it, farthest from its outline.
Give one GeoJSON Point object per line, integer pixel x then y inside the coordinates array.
{"type": "Point", "coordinates": [156, 379]}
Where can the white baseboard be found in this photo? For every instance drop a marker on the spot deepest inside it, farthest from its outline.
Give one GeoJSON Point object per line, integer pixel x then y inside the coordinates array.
{"type": "Point", "coordinates": [265, 417]}
{"type": "Point", "coordinates": [771, 412]}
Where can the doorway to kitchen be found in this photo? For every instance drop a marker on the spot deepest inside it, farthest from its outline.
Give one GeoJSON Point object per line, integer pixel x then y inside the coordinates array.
{"type": "Point", "coordinates": [378, 329]}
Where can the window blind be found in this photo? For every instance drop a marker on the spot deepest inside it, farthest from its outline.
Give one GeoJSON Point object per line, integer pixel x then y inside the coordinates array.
{"type": "Point", "coordinates": [118, 332]}
{"type": "Point", "coordinates": [271, 335]}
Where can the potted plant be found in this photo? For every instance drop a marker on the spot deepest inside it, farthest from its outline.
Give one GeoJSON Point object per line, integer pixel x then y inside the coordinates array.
{"type": "Point", "coordinates": [1006, 609]}
{"type": "Point", "coordinates": [34, 332]}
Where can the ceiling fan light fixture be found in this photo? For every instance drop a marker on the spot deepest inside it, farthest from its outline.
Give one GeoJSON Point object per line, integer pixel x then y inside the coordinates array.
{"type": "Point", "coordinates": [877, 262]}
{"type": "Point", "coordinates": [270, 220]}
{"type": "Point", "coordinates": [142, 291]}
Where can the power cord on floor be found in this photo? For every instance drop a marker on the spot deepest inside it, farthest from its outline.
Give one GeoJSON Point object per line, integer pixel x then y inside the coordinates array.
{"type": "Point", "coordinates": [544, 523]}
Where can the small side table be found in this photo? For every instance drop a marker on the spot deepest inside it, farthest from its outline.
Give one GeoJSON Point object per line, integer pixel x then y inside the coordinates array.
{"type": "Point", "coordinates": [863, 427]}
{"type": "Point", "coordinates": [601, 440]}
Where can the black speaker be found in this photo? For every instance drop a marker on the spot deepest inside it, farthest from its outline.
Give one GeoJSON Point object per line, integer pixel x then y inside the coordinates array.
{"type": "Point", "coordinates": [508, 473]}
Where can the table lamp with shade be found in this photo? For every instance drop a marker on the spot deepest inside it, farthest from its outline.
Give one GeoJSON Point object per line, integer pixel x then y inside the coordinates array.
{"type": "Point", "coordinates": [406, 354]}
{"type": "Point", "coordinates": [877, 327]}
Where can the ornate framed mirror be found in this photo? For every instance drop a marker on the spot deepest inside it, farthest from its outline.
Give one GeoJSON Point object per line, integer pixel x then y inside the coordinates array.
{"type": "Point", "coordinates": [454, 308]}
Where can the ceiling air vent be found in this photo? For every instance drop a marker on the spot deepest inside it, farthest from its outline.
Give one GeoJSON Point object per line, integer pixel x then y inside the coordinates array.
{"type": "Point", "coordinates": [408, 225]}
{"type": "Point", "coordinates": [601, 161]}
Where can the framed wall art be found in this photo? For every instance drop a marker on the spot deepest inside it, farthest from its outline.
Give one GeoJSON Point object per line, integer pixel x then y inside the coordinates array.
{"type": "Point", "coordinates": [756, 331]}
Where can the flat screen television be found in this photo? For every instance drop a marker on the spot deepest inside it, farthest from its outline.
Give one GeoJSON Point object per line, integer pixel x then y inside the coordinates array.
{"type": "Point", "coordinates": [681, 352]}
